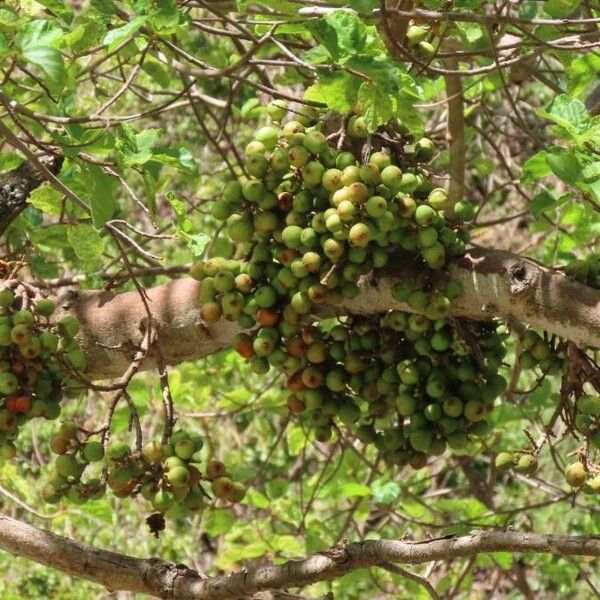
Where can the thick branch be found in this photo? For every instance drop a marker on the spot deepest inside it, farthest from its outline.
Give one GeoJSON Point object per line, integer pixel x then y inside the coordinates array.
{"type": "Point", "coordinates": [17, 185]}
{"type": "Point", "coordinates": [495, 284]}
{"type": "Point", "coordinates": [166, 580]}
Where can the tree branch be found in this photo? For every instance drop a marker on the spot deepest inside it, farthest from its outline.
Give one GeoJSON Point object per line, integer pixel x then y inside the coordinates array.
{"type": "Point", "coordinates": [166, 580]}
{"type": "Point", "coordinates": [17, 185]}
{"type": "Point", "coordinates": [456, 134]}
{"type": "Point", "coordinates": [495, 284]}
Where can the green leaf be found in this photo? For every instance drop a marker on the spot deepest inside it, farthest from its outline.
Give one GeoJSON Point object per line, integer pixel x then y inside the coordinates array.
{"type": "Point", "coordinates": [364, 6]}
{"type": "Point", "coordinates": [180, 158]}
{"type": "Point", "coordinates": [296, 440]}
{"type": "Point", "coordinates": [85, 36]}
{"type": "Point", "coordinates": [100, 189]}
{"type": "Point", "coordinates": [255, 498]}
{"type": "Point", "coordinates": [591, 172]}
{"type": "Point", "coordinates": [542, 202]}
{"type": "Point", "coordinates": [341, 32]}
{"type": "Point", "coordinates": [4, 45]}
{"type": "Point", "coordinates": [47, 199]}
{"type": "Point", "coordinates": [117, 36]}
{"type": "Point", "coordinates": [352, 488]}
{"type": "Point", "coordinates": [196, 242]}
{"type": "Point", "coordinates": [339, 91]}
{"type": "Point", "coordinates": [156, 71]}
{"type": "Point", "coordinates": [567, 112]}
{"type": "Point", "coordinates": [377, 105]}
{"type": "Point", "coordinates": [582, 72]}
{"type": "Point", "coordinates": [47, 58]}
{"type": "Point", "coordinates": [537, 166]}
{"type": "Point", "coordinates": [217, 521]}
{"type": "Point", "coordinates": [10, 161]}
{"type": "Point", "coordinates": [53, 237]}
{"type": "Point", "coordinates": [59, 8]}
{"type": "Point", "coordinates": [564, 165]}
{"type": "Point", "coordinates": [560, 9]}
{"type": "Point", "coordinates": [105, 7]}
{"type": "Point", "coordinates": [385, 492]}
{"type": "Point", "coordinates": [86, 243]}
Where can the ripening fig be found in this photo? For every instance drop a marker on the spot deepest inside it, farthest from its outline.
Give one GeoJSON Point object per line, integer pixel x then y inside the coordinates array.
{"type": "Point", "coordinates": [359, 235]}
{"type": "Point", "coordinates": [268, 136]}
{"type": "Point", "coordinates": [370, 174]}
{"type": "Point", "coordinates": [9, 384]}
{"type": "Point", "coordinates": [163, 501]}
{"type": "Point", "coordinates": [332, 180]}
{"type": "Point", "coordinates": [576, 474]}
{"type": "Point", "coordinates": [298, 156]}
{"type": "Point", "coordinates": [415, 34]}
{"type": "Point", "coordinates": [277, 109]}
{"type": "Point", "coordinates": [380, 159]}
{"type": "Point", "coordinates": [20, 334]}
{"type": "Point", "coordinates": [391, 177]}
{"type": "Point", "coordinates": [357, 127]}
{"type": "Point", "coordinates": [184, 449]}
{"type": "Point", "coordinates": [237, 492]}
{"type": "Point", "coordinates": [376, 206]}
{"type": "Point", "coordinates": [210, 312]}
{"type": "Point", "coordinates": [59, 444]}
{"type": "Point", "coordinates": [438, 199]}
{"type": "Point", "coordinates": [295, 405]}
{"type": "Point", "coordinates": [424, 148]}
{"type": "Point", "coordinates": [527, 464]}
{"type": "Point", "coordinates": [153, 452]}
{"type": "Point", "coordinates": [67, 466]}
{"type": "Point", "coordinates": [315, 142]}
{"type": "Point", "coordinates": [178, 476]}
{"type": "Point", "coordinates": [504, 461]}
{"type": "Point", "coordinates": [222, 488]}
{"type": "Point", "coordinates": [292, 128]}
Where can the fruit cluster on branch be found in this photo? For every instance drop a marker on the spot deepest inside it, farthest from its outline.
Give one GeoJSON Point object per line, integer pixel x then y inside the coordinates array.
{"type": "Point", "coordinates": [306, 224]}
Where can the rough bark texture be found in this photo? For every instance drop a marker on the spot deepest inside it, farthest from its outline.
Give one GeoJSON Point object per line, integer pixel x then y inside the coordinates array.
{"type": "Point", "coordinates": [495, 284]}
{"type": "Point", "coordinates": [17, 185]}
{"type": "Point", "coordinates": [166, 580]}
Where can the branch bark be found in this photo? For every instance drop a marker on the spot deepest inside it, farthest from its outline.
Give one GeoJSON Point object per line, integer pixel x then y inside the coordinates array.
{"type": "Point", "coordinates": [17, 185]}
{"type": "Point", "coordinates": [495, 284]}
{"type": "Point", "coordinates": [456, 134]}
{"type": "Point", "coordinates": [166, 580]}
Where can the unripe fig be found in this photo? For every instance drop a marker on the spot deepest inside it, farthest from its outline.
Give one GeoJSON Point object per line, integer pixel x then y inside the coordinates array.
{"type": "Point", "coordinates": [92, 452]}
{"type": "Point", "coordinates": [504, 461]}
{"type": "Point", "coordinates": [45, 307]}
{"type": "Point", "coordinates": [178, 476]}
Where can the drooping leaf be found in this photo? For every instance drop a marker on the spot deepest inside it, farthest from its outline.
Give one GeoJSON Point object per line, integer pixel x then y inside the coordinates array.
{"type": "Point", "coordinates": [339, 91]}
{"type": "Point", "coordinates": [100, 189]}
{"type": "Point", "coordinates": [87, 243]}
{"type": "Point", "coordinates": [119, 35]}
